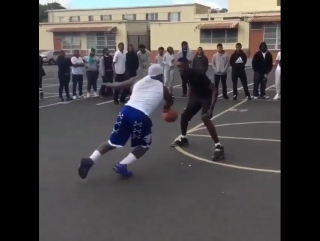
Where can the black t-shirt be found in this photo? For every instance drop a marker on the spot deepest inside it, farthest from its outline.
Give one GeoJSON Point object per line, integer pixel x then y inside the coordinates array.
{"type": "Point", "coordinates": [199, 84]}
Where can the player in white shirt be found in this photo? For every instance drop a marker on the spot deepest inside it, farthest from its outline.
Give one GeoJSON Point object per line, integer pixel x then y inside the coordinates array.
{"type": "Point", "coordinates": [278, 77]}
{"type": "Point", "coordinates": [133, 121]}
{"type": "Point", "coordinates": [77, 74]}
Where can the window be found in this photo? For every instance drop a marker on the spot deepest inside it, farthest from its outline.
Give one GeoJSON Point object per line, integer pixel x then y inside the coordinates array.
{"type": "Point", "coordinates": [256, 26]}
{"type": "Point", "coordinates": [174, 17]}
{"type": "Point", "coordinates": [151, 16]}
{"type": "Point", "coordinates": [219, 35]}
{"type": "Point", "coordinates": [129, 17]}
{"type": "Point", "coordinates": [99, 41]}
{"type": "Point", "coordinates": [70, 43]}
{"type": "Point", "coordinates": [90, 18]}
{"type": "Point", "coordinates": [61, 19]}
{"type": "Point", "coordinates": [272, 35]}
{"type": "Point", "coordinates": [105, 17]}
{"type": "Point", "coordinates": [74, 19]}
{"type": "Point", "coordinates": [278, 2]}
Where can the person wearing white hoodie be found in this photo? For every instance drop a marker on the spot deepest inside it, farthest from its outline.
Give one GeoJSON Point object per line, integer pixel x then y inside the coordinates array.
{"type": "Point", "coordinates": [168, 62]}
{"type": "Point", "coordinates": [144, 60]}
{"type": "Point", "coordinates": [278, 77]}
{"type": "Point", "coordinates": [185, 52]}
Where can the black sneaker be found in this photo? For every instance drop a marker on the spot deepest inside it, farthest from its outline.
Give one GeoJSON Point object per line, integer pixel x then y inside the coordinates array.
{"type": "Point", "coordinates": [184, 95]}
{"type": "Point", "coordinates": [218, 154]}
{"type": "Point", "coordinates": [235, 97]}
{"type": "Point", "coordinates": [226, 97]}
{"type": "Point", "coordinates": [61, 99]}
{"type": "Point", "coordinates": [116, 102]}
{"type": "Point", "coordinates": [248, 97]}
{"type": "Point", "coordinates": [84, 168]}
{"type": "Point", "coordinates": [69, 99]}
{"type": "Point", "coordinates": [183, 141]}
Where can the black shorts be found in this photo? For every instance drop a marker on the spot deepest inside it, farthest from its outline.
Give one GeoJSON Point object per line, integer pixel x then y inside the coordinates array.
{"type": "Point", "coordinates": [120, 77]}
{"type": "Point", "coordinates": [195, 105]}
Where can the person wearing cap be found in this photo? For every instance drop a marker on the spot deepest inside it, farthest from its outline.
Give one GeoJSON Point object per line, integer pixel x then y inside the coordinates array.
{"type": "Point", "coordinates": [133, 121]}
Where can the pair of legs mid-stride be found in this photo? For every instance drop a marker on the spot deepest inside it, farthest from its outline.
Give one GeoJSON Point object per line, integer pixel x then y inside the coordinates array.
{"type": "Point", "coordinates": [130, 123]}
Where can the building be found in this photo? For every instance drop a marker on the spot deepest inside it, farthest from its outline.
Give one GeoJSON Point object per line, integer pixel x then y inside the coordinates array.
{"type": "Point", "coordinates": [70, 29]}
{"type": "Point", "coordinates": [249, 22]}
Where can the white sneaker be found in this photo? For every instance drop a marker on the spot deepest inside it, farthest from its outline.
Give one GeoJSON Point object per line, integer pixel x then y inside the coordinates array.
{"type": "Point", "coordinates": [80, 97]}
{"type": "Point", "coordinates": [88, 95]}
{"type": "Point", "coordinates": [74, 97]}
{"type": "Point", "coordinates": [276, 97]}
{"type": "Point", "coordinates": [95, 94]}
{"type": "Point", "coordinates": [255, 97]}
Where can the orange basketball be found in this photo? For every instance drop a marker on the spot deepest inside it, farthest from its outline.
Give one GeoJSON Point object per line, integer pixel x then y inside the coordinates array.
{"type": "Point", "coordinates": [170, 116]}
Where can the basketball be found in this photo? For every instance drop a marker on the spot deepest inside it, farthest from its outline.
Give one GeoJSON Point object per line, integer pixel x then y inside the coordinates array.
{"type": "Point", "coordinates": [170, 116]}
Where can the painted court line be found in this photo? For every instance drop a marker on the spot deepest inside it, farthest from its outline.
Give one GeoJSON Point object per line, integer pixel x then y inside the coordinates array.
{"type": "Point", "coordinates": [236, 138]}
{"type": "Point", "coordinates": [197, 127]}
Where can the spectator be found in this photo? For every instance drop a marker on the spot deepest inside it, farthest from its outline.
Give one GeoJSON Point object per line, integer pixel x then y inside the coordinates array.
{"type": "Point", "coordinates": [132, 62]}
{"type": "Point", "coordinates": [168, 63]}
{"type": "Point", "coordinates": [77, 74]}
{"type": "Point", "coordinates": [41, 74]}
{"type": "Point", "coordinates": [119, 66]}
{"type": "Point", "coordinates": [238, 62]}
{"type": "Point", "coordinates": [106, 72]}
{"type": "Point", "coordinates": [64, 76]}
{"type": "Point", "coordinates": [144, 60]}
{"type": "Point", "coordinates": [92, 71]}
{"type": "Point", "coordinates": [262, 64]}
{"type": "Point", "coordinates": [159, 58]}
{"type": "Point", "coordinates": [200, 62]}
{"type": "Point", "coordinates": [278, 77]}
{"type": "Point", "coordinates": [220, 65]}
{"type": "Point", "coordinates": [186, 53]}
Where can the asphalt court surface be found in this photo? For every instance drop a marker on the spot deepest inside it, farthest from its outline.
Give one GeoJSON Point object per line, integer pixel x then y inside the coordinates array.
{"type": "Point", "coordinates": [172, 197]}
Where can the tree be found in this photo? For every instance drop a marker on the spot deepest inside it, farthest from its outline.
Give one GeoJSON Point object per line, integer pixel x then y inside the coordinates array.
{"type": "Point", "coordinates": [217, 10]}
{"type": "Point", "coordinates": [223, 10]}
{"type": "Point", "coordinates": [43, 15]}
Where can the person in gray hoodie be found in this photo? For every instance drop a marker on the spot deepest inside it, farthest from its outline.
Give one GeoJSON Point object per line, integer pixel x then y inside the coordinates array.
{"type": "Point", "coordinates": [186, 53]}
{"type": "Point", "coordinates": [220, 65]}
{"type": "Point", "coordinates": [144, 60]}
{"type": "Point", "coordinates": [200, 62]}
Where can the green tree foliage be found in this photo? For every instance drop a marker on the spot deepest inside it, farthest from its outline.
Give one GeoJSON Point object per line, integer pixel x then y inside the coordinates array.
{"type": "Point", "coordinates": [43, 15]}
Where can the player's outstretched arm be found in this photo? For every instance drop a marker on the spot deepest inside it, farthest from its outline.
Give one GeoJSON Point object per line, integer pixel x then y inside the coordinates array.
{"type": "Point", "coordinates": [168, 99]}
{"type": "Point", "coordinates": [125, 84]}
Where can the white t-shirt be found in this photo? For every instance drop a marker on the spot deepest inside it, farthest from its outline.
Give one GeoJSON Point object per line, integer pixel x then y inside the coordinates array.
{"type": "Point", "coordinates": [76, 70]}
{"type": "Point", "coordinates": [147, 94]}
{"type": "Point", "coordinates": [119, 61]}
{"type": "Point", "coordinates": [278, 59]}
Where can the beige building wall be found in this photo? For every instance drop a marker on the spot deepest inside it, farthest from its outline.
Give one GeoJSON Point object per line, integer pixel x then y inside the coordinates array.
{"type": "Point", "coordinates": [253, 5]}
{"type": "Point", "coordinates": [186, 13]}
{"type": "Point", "coordinates": [172, 34]}
{"type": "Point", "coordinates": [46, 41]}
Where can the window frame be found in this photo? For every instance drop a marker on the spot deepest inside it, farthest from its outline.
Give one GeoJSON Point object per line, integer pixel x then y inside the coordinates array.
{"type": "Point", "coordinates": [171, 14]}
{"type": "Point", "coordinates": [215, 39]}
{"type": "Point", "coordinates": [277, 38]}
{"type": "Point", "coordinates": [101, 40]}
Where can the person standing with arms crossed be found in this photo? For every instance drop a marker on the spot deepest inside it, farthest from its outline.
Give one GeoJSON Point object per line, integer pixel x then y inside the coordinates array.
{"type": "Point", "coordinates": [220, 65]}
{"type": "Point", "coordinates": [77, 74]}
{"type": "Point", "coordinates": [238, 62]}
{"type": "Point", "coordinates": [119, 68]}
